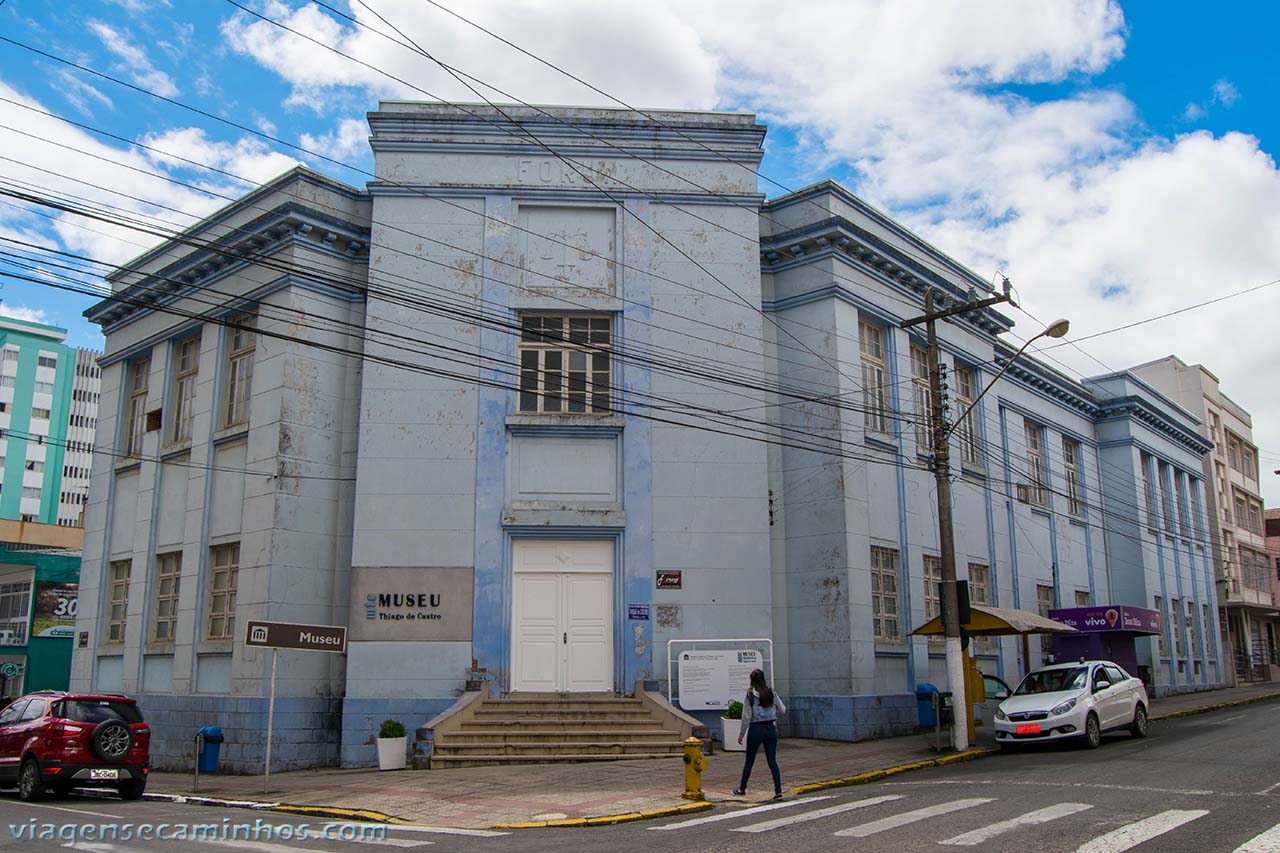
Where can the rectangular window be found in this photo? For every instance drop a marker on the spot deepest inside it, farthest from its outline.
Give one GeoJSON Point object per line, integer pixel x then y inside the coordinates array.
{"type": "Point", "coordinates": [1206, 624]}
{"type": "Point", "coordinates": [967, 426]}
{"type": "Point", "coordinates": [186, 362]}
{"type": "Point", "coordinates": [34, 465]}
{"type": "Point", "coordinates": [923, 397]}
{"type": "Point", "coordinates": [1045, 602]}
{"type": "Point", "coordinates": [1071, 464]}
{"type": "Point", "coordinates": [168, 574]}
{"type": "Point", "coordinates": [47, 361]}
{"type": "Point", "coordinates": [980, 593]}
{"type": "Point", "coordinates": [1082, 598]}
{"type": "Point", "coordinates": [1034, 487]}
{"type": "Point", "coordinates": [39, 414]}
{"type": "Point", "coordinates": [566, 364]}
{"type": "Point", "coordinates": [15, 611]}
{"type": "Point", "coordinates": [1247, 462]}
{"type": "Point", "coordinates": [222, 591]}
{"type": "Point", "coordinates": [884, 594]}
{"type": "Point", "coordinates": [119, 606]}
{"type": "Point", "coordinates": [1180, 495]}
{"type": "Point", "coordinates": [1166, 499]}
{"type": "Point", "coordinates": [31, 492]}
{"type": "Point", "coordinates": [1193, 625]}
{"type": "Point", "coordinates": [1175, 610]}
{"type": "Point", "coordinates": [240, 346]}
{"type": "Point", "coordinates": [1148, 490]}
{"type": "Point", "coordinates": [136, 423]}
{"type": "Point", "coordinates": [932, 591]}
{"type": "Point", "coordinates": [43, 388]}
{"type": "Point", "coordinates": [874, 382]}
{"type": "Point", "coordinates": [1164, 627]}
{"type": "Point", "coordinates": [10, 353]}
{"type": "Point", "coordinates": [1233, 452]}
{"type": "Point", "coordinates": [8, 381]}
{"type": "Point", "coordinates": [1242, 511]}
{"type": "Point", "coordinates": [1255, 517]}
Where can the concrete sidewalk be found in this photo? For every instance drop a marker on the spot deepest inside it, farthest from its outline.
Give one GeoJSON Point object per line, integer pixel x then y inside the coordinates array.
{"type": "Point", "coordinates": [482, 797]}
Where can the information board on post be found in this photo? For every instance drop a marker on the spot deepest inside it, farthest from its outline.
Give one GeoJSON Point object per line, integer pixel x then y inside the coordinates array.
{"type": "Point", "coordinates": [711, 679]}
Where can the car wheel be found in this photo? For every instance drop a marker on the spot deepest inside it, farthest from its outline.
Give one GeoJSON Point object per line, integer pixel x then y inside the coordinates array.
{"type": "Point", "coordinates": [30, 785]}
{"type": "Point", "coordinates": [1092, 731]}
{"type": "Point", "coordinates": [1139, 727]}
{"type": "Point", "coordinates": [112, 741]}
{"type": "Point", "coordinates": [133, 790]}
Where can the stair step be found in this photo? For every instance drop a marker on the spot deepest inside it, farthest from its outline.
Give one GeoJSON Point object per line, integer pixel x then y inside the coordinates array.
{"type": "Point", "coordinates": [441, 761]}
{"type": "Point", "coordinates": [562, 735]}
{"type": "Point", "coordinates": [522, 724]}
{"type": "Point", "coordinates": [525, 705]}
{"type": "Point", "coordinates": [562, 713]}
{"type": "Point", "coordinates": [559, 748]}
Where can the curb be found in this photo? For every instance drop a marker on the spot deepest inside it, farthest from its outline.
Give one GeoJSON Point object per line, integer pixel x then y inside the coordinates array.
{"type": "Point", "coordinates": [609, 820]}
{"type": "Point", "coordinates": [875, 775]}
{"type": "Point", "coordinates": [1220, 706]}
{"type": "Point", "coordinates": [365, 815]}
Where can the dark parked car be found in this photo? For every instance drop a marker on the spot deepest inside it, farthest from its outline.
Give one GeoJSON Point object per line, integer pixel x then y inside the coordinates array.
{"type": "Point", "coordinates": [58, 741]}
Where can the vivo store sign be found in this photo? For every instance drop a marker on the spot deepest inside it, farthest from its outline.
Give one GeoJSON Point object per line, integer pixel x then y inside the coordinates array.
{"type": "Point", "coordinates": [712, 679]}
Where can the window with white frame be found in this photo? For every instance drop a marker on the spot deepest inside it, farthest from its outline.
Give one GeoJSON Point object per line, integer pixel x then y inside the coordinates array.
{"type": "Point", "coordinates": [8, 381]}
{"type": "Point", "coordinates": [1233, 452]}
{"type": "Point", "coordinates": [1255, 517]}
{"type": "Point", "coordinates": [1248, 462]}
{"type": "Point", "coordinates": [1206, 624]}
{"type": "Point", "coordinates": [43, 388]}
{"type": "Point", "coordinates": [39, 414]}
{"type": "Point", "coordinates": [932, 588]}
{"type": "Point", "coordinates": [1045, 602]}
{"type": "Point", "coordinates": [11, 353]}
{"type": "Point", "coordinates": [1242, 510]}
{"type": "Point", "coordinates": [15, 610]}
{"type": "Point", "coordinates": [566, 364]}
{"type": "Point", "coordinates": [980, 593]}
{"type": "Point", "coordinates": [47, 361]}
{"type": "Point", "coordinates": [186, 363]}
{"type": "Point", "coordinates": [1033, 489]}
{"type": "Point", "coordinates": [1180, 495]}
{"type": "Point", "coordinates": [223, 580]}
{"type": "Point", "coordinates": [168, 575]}
{"type": "Point", "coordinates": [1071, 466]}
{"type": "Point", "coordinates": [967, 427]}
{"type": "Point", "coordinates": [34, 465]}
{"type": "Point", "coordinates": [241, 340]}
{"type": "Point", "coordinates": [1148, 490]}
{"type": "Point", "coordinates": [136, 420]}
{"type": "Point", "coordinates": [31, 492]}
{"type": "Point", "coordinates": [1082, 598]}
{"type": "Point", "coordinates": [118, 606]}
{"type": "Point", "coordinates": [875, 392]}
{"type": "Point", "coordinates": [884, 594]}
{"type": "Point", "coordinates": [1193, 625]}
{"type": "Point", "coordinates": [922, 394]}
{"type": "Point", "coordinates": [1164, 473]}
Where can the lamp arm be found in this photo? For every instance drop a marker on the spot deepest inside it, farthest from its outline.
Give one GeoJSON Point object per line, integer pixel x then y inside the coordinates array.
{"type": "Point", "coordinates": [992, 383]}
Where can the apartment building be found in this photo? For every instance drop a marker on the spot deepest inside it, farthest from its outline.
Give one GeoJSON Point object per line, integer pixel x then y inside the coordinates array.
{"type": "Point", "coordinates": [1243, 569]}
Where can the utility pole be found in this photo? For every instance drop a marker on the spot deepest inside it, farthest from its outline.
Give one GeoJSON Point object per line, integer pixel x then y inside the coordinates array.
{"type": "Point", "coordinates": [946, 534]}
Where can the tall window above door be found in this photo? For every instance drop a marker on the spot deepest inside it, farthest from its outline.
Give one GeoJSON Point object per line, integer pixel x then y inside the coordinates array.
{"type": "Point", "coordinates": [566, 364]}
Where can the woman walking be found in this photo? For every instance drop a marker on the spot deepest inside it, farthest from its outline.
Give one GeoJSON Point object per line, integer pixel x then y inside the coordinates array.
{"type": "Point", "coordinates": [760, 712]}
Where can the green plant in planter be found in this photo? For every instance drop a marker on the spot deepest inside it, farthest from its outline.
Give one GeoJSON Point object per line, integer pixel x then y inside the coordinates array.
{"type": "Point", "coordinates": [734, 711]}
{"type": "Point", "coordinates": [391, 728]}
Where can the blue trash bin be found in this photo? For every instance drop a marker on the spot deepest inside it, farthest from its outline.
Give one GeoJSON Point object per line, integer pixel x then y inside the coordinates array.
{"type": "Point", "coordinates": [207, 760]}
{"type": "Point", "coordinates": [928, 717]}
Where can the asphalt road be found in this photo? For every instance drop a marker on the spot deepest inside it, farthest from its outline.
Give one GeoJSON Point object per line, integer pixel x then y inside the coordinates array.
{"type": "Point", "coordinates": [1204, 783]}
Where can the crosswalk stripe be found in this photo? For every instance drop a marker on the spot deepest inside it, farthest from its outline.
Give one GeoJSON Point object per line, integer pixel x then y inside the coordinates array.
{"type": "Point", "coordinates": [1133, 834]}
{"type": "Point", "coordinates": [803, 817]}
{"type": "Point", "coordinates": [894, 821]}
{"type": "Point", "coordinates": [1267, 842]}
{"type": "Point", "coordinates": [698, 821]}
{"type": "Point", "coordinates": [309, 844]}
{"type": "Point", "coordinates": [1038, 816]}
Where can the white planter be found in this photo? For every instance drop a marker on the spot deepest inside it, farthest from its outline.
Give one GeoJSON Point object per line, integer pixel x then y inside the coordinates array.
{"type": "Point", "coordinates": [729, 734]}
{"type": "Point", "coordinates": [393, 753]}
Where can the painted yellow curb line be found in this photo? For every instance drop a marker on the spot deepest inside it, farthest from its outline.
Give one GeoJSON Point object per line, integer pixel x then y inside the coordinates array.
{"type": "Point", "coordinates": [367, 815]}
{"type": "Point", "coordinates": [1204, 709]}
{"type": "Point", "coordinates": [609, 820]}
{"type": "Point", "coordinates": [874, 775]}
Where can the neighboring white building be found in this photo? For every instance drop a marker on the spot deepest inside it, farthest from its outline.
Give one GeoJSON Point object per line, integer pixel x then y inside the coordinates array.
{"type": "Point", "coordinates": [510, 424]}
{"type": "Point", "coordinates": [82, 421]}
{"type": "Point", "coordinates": [1250, 622]}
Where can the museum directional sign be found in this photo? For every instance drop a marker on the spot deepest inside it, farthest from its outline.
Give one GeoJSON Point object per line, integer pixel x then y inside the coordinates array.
{"type": "Point", "coordinates": [288, 635]}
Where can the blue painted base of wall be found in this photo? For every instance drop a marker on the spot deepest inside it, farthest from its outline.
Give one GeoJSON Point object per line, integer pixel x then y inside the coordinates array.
{"type": "Point", "coordinates": [850, 718]}
{"type": "Point", "coordinates": [1162, 690]}
{"type": "Point", "coordinates": [305, 732]}
{"type": "Point", "coordinates": [361, 718]}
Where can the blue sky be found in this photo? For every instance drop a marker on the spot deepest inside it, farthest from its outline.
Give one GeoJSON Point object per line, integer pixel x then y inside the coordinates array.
{"type": "Point", "coordinates": [1116, 160]}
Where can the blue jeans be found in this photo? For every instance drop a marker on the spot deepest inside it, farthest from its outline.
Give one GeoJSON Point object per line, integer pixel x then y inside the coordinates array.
{"type": "Point", "coordinates": [766, 735]}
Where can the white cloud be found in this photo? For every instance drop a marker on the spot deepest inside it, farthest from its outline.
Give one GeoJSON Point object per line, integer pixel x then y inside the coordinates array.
{"type": "Point", "coordinates": [21, 312]}
{"type": "Point", "coordinates": [248, 158]}
{"type": "Point", "coordinates": [1193, 112]}
{"type": "Point", "coordinates": [1225, 93]}
{"type": "Point", "coordinates": [348, 141]}
{"type": "Point", "coordinates": [79, 93]}
{"type": "Point", "coordinates": [134, 60]}
{"type": "Point", "coordinates": [136, 6]}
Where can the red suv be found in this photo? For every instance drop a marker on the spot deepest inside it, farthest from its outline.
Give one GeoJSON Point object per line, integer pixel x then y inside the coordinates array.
{"type": "Point", "coordinates": [59, 741]}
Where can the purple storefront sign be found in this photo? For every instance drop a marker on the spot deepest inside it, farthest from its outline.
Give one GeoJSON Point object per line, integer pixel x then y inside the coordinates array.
{"type": "Point", "coordinates": [1137, 620]}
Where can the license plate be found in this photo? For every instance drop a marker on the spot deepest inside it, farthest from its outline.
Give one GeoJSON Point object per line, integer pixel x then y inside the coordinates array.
{"type": "Point", "coordinates": [1029, 729]}
{"type": "Point", "coordinates": [104, 774]}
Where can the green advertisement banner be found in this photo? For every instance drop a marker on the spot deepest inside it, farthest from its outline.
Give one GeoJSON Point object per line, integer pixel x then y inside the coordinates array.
{"type": "Point", "coordinates": [55, 609]}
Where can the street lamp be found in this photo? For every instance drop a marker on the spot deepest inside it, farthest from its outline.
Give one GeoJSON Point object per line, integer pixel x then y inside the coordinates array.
{"type": "Point", "coordinates": [1057, 329]}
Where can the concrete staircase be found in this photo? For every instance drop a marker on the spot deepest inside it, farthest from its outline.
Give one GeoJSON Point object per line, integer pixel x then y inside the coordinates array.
{"type": "Point", "coordinates": [554, 728]}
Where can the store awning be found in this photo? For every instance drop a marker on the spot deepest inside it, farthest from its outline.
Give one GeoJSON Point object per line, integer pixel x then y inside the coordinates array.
{"type": "Point", "coordinates": [987, 621]}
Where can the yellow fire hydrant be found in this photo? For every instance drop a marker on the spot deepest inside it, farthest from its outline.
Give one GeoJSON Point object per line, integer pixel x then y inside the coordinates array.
{"type": "Point", "coordinates": [694, 763]}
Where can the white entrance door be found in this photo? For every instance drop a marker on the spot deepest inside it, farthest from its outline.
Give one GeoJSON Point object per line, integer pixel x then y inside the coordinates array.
{"type": "Point", "coordinates": [562, 616]}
